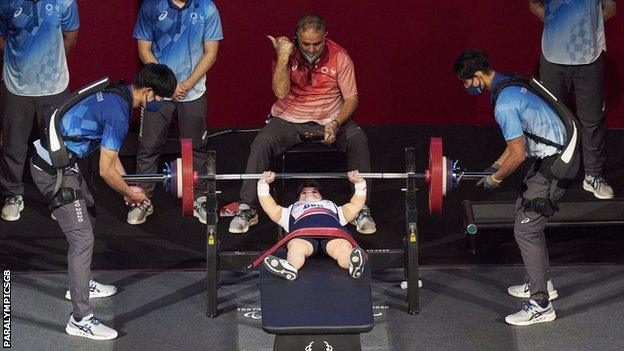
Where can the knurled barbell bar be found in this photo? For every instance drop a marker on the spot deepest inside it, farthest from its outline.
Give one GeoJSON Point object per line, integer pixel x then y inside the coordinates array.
{"type": "Point", "coordinates": [179, 177]}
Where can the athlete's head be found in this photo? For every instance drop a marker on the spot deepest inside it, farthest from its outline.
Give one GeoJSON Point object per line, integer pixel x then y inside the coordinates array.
{"type": "Point", "coordinates": [310, 190]}
{"type": "Point", "coordinates": [152, 84]}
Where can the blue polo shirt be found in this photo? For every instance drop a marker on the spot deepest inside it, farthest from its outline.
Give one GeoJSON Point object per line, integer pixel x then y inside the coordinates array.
{"type": "Point", "coordinates": [34, 56]}
{"type": "Point", "coordinates": [518, 110]}
{"type": "Point", "coordinates": [102, 118]}
{"type": "Point", "coordinates": [178, 35]}
{"type": "Point", "coordinates": [573, 31]}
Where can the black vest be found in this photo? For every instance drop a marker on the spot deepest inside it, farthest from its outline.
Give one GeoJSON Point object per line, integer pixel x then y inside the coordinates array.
{"type": "Point", "coordinates": [568, 160]}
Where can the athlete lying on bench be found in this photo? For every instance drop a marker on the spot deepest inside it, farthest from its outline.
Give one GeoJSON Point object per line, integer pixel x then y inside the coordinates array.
{"type": "Point", "coordinates": [311, 211]}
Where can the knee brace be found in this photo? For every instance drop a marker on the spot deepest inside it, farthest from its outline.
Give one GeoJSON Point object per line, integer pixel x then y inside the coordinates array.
{"type": "Point", "coordinates": [63, 197]}
{"type": "Point", "coordinates": [541, 205]}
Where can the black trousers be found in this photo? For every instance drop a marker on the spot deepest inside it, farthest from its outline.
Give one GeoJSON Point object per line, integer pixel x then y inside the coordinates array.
{"type": "Point", "coordinates": [588, 82]}
{"type": "Point", "coordinates": [18, 114]}
{"type": "Point", "coordinates": [278, 135]}
{"type": "Point", "coordinates": [153, 134]}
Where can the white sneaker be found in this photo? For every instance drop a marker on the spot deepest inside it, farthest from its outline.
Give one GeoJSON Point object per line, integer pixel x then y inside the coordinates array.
{"type": "Point", "coordinates": [199, 209]}
{"type": "Point", "coordinates": [13, 205]}
{"type": "Point", "coordinates": [532, 313]}
{"type": "Point", "coordinates": [97, 290]}
{"type": "Point", "coordinates": [243, 219]}
{"type": "Point", "coordinates": [523, 291]}
{"type": "Point", "coordinates": [89, 327]}
{"type": "Point", "coordinates": [364, 222]}
{"type": "Point", "coordinates": [599, 186]}
{"type": "Point", "coordinates": [281, 267]}
{"type": "Point", "coordinates": [138, 214]}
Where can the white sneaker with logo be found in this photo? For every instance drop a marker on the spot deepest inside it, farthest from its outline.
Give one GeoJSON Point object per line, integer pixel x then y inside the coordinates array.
{"type": "Point", "coordinates": [244, 217]}
{"type": "Point", "coordinates": [89, 327]}
{"type": "Point", "coordinates": [138, 214]}
{"type": "Point", "coordinates": [96, 290]}
{"type": "Point", "coordinates": [599, 186]}
{"type": "Point", "coordinates": [364, 222]}
{"type": "Point", "coordinates": [199, 209]}
{"type": "Point", "coordinates": [532, 313]}
{"type": "Point", "coordinates": [280, 267]}
{"type": "Point", "coordinates": [13, 205]}
{"type": "Point", "coordinates": [523, 291]}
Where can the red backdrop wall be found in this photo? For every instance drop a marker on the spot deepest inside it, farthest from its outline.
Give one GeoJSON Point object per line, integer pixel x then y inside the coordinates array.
{"type": "Point", "coordinates": [403, 53]}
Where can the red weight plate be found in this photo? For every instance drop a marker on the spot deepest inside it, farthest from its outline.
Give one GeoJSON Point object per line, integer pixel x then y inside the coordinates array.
{"type": "Point", "coordinates": [186, 152]}
{"type": "Point", "coordinates": [436, 174]}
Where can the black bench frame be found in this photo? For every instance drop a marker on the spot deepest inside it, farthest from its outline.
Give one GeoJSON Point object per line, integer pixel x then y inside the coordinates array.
{"type": "Point", "coordinates": [407, 258]}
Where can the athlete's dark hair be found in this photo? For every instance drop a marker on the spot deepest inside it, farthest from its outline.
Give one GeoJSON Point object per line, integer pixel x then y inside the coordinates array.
{"type": "Point", "coordinates": [309, 184]}
{"type": "Point", "coordinates": [471, 61]}
{"type": "Point", "coordinates": [158, 77]}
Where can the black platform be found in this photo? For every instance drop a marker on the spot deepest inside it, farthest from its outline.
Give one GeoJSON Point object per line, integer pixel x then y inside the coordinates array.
{"type": "Point", "coordinates": [324, 299]}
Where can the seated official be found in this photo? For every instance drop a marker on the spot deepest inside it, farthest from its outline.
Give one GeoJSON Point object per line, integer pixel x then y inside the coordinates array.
{"type": "Point", "coordinates": [314, 82]}
{"type": "Point", "coordinates": [311, 211]}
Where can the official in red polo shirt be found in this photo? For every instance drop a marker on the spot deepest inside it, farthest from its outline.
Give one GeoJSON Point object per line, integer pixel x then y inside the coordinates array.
{"type": "Point", "coordinates": [314, 82]}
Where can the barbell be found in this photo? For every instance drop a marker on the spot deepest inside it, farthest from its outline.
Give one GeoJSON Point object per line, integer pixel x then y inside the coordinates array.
{"type": "Point", "coordinates": [178, 177]}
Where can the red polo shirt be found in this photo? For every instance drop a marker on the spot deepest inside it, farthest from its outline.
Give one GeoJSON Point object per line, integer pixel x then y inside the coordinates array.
{"type": "Point", "coordinates": [317, 93]}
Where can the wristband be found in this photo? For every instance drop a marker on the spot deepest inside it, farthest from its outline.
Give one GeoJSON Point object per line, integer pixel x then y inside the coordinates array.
{"type": "Point", "coordinates": [360, 188]}
{"type": "Point", "coordinates": [263, 188]}
{"type": "Point", "coordinates": [494, 179]}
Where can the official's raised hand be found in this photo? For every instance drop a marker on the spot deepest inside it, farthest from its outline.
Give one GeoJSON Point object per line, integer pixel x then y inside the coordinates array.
{"type": "Point", "coordinates": [283, 46]}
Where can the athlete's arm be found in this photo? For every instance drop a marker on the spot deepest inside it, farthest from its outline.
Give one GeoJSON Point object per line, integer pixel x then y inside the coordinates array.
{"type": "Point", "coordinates": [111, 173]}
{"type": "Point", "coordinates": [516, 156]}
{"type": "Point", "coordinates": [351, 209]}
{"type": "Point", "coordinates": [537, 8]}
{"type": "Point", "coordinates": [205, 63]}
{"type": "Point", "coordinates": [69, 41]}
{"type": "Point", "coordinates": [609, 10]}
{"type": "Point", "coordinates": [145, 52]}
{"type": "Point", "coordinates": [267, 202]}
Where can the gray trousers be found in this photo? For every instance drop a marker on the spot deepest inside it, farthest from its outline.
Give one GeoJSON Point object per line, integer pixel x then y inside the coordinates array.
{"type": "Point", "coordinates": [153, 134]}
{"type": "Point", "coordinates": [19, 112]}
{"type": "Point", "coordinates": [588, 82]}
{"type": "Point", "coordinates": [76, 221]}
{"type": "Point", "coordinates": [529, 230]}
{"type": "Point", "coordinates": [278, 135]}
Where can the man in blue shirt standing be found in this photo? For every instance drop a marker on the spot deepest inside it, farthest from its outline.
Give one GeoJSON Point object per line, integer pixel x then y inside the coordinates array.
{"type": "Point", "coordinates": [531, 128]}
{"type": "Point", "coordinates": [573, 45]}
{"type": "Point", "coordinates": [97, 121]}
{"type": "Point", "coordinates": [36, 37]}
{"type": "Point", "coordinates": [184, 35]}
